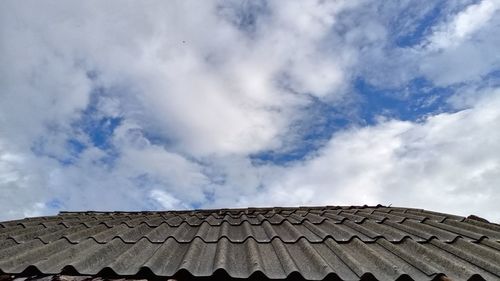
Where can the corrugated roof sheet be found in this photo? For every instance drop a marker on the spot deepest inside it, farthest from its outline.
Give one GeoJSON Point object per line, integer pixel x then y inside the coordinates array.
{"type": "Point", "coordinates": [315, 243]}
{"type": "Point", "coordinates": [59, 277]}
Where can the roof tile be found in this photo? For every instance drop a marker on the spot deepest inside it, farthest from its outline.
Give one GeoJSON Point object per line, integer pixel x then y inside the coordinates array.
{"type": "Point", "coordinates": [347, 242]}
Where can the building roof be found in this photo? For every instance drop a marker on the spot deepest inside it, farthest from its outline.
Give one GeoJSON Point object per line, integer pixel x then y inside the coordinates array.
{"type": "Point", "coordinates": [312, 243]}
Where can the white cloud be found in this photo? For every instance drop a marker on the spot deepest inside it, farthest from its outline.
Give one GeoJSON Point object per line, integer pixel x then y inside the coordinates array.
{"type": "Point", "coordinates": [197, 82]}
{"type": "Point", "coordinates": [449, 162]}
{"type": "Point", "coordinates": [463, 25]}
{"type": "Point", "coordinates": [197, 91]}
{"type": "Point", "coordinates": [458, 42]}
{"type": "Point", "coordinates": [167, 201]}
{"type": "Point", "coordinates": [464, 49]}
{"type": "Point", "coordinates": [22, 183]}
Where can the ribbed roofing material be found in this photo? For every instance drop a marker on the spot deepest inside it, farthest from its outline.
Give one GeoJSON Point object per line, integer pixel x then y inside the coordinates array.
{"type": "Point", "coordinates": [314, 243]}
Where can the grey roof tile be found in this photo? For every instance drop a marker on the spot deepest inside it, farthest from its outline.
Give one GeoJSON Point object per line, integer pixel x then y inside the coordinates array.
{"type": "Point", "coordinates": [347, 242]}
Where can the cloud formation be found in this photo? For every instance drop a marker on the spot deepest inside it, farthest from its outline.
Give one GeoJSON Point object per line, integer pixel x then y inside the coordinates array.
{"type": "Point", "coordinates": [448, 161]}
{"type": "Point", "coordinates": [127, 106]}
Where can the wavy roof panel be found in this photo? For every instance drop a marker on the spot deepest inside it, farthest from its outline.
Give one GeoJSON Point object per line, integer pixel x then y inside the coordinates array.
{"type": "Point", "coordinates": [347, 243]}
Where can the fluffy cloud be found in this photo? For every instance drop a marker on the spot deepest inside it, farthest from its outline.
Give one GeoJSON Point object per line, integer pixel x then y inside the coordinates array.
{"type": "Point", "coordinates": [449, 44]}
{"type": "Point", "coordinates": [464, 49]}
{"type": "Point", "coordinates": [200, 86]}
{"type": "Point", "coordinates": [463, 25]}
{"type": "Point", "coordinates": [108, 105]}
{"type": "Point", "coordinates": [20, 178]}
{"type": "Point", "coordinates": [447, 162]}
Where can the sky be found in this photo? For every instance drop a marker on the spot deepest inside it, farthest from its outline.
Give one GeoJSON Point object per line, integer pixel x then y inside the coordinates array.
{"type": "Point", "coordinates": [159, 105]}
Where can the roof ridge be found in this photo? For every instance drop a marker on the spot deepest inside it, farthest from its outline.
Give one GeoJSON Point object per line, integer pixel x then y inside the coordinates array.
{"type": "Point", "coordinates": [235, 209]}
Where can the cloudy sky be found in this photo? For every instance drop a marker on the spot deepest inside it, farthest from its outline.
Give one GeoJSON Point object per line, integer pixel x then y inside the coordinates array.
{"type": "Point", "coordinates": [154, 105]}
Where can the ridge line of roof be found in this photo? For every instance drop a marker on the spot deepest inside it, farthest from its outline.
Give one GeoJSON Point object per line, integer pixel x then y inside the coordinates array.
{"type": "Point", "coordinates": [233, 209]}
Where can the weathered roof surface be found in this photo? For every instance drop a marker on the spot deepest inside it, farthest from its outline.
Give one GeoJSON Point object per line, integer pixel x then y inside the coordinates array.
{"type": "Point", "coordinates": [347, 243]}
{"type": "Point", "coordinates": [62, 277]}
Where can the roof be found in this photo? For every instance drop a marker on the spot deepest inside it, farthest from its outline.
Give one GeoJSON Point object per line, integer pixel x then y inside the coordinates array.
{"type": "Point", "coordinates": [313, 243]}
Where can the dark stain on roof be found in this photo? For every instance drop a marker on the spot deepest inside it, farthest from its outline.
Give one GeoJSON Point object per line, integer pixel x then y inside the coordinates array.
{"type": "Point", "coordinates": [311, 243]}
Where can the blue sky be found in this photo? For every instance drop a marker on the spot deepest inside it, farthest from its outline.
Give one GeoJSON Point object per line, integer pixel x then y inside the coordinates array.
{"type": "Point", "coordinates": [133, 106]}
